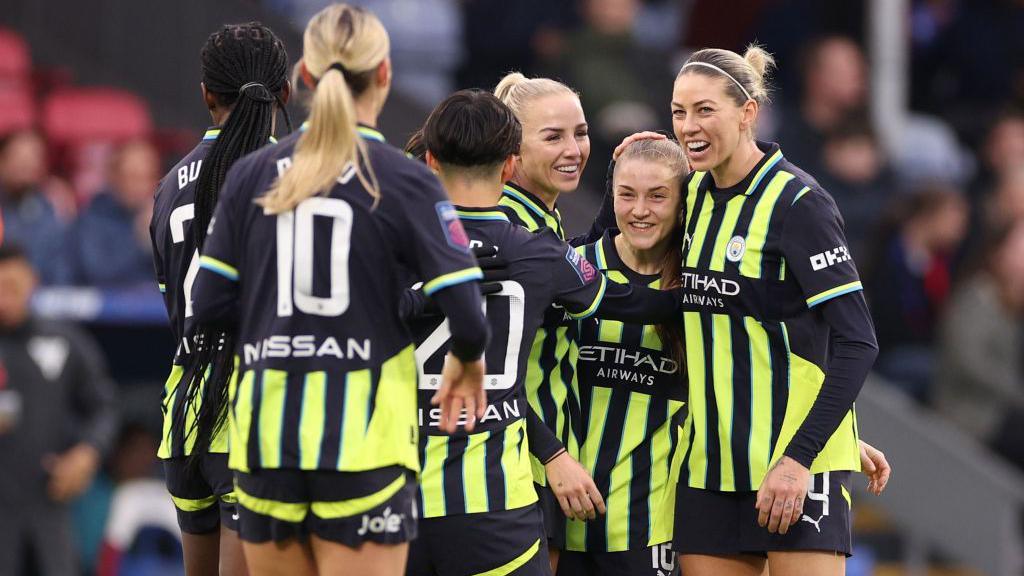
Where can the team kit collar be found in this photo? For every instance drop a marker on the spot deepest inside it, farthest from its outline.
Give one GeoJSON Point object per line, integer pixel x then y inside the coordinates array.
{"type": "Point", "coordinates": [213, 132]}
{"type": "Point", "coordinates": [752, 181]}
{"type": "Point", "coordinates": [479, 214]}
{"type": "Point", "coordinates": [367, 132]}
{"type": "Point", "coordinates": [608, 258]}
{"type": "Point", "coordinates": [526, 198]}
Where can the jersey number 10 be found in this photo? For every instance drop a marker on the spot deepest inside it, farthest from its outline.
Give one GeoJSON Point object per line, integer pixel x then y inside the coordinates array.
{"type": "Point", "coordinates": [295, 257]}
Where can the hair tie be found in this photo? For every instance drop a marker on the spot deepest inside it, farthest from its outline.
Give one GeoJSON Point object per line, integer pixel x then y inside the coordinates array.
{"type": "Point", "coordinates": [250, 85]}
{"type": "Point", "coordinates": [340, 68]}
{"type": "Point", "coordinates": [720, 71]}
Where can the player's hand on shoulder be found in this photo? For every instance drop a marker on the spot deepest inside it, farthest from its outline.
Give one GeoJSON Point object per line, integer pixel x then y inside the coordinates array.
{"type": "Point", "coordinates": [575, 489]}
{"type": "Point", "coordinates": [780, 500]}
{"type": "Point", "coordinates": [462, 388]}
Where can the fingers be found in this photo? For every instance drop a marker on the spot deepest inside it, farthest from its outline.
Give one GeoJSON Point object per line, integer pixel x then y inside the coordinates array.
{"type": "Point", "coordinates": [566, 509]}
{"type": "Point", "coordinates": [481, 403]}
{"type": "Point", "coordinates": [790, 515]}
{"type": "Point", "coordinates": [775, 518]}
{"type": "Point", "coordinates": [588, 506]}
{"type": "Point", "coordinates": [577, 508]}
{"type": "Point", "coordinates": [485, 251]}
{"type": "Point", "coordinates": [450, 417]}
{"type": "Point", "coordinates": [595, 497]}
{"type": "Point", "coordinates": [470, 408]}
{"type": "Point", "coordinates": [764, 507]}
{"type": "Point", "coordinates": [633, 138]}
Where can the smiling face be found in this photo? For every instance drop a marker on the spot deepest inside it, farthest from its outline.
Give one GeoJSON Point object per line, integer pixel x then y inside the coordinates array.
{"type": "Point", "coordinates": [646, 202]}
{"type": "Point", "coordinates": [555, 145]}
{"type": "Point", "coordinates": [707, 121]}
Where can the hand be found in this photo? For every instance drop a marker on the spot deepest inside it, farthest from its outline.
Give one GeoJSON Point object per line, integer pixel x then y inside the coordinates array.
{"type": "Point", "coordinates": [462, 386]}
{"type": "Point", "coordinates": [494, 267]}
{"type": "Point", "coordinates": [575, 489]}
{"type": "Point", "coordinates": [71, 472]}
{"type": "Point", "coordinates": [874, 465]}
{"type": "Point", "coordinates": [780, 500]}
{"type": "Point", "coordinates": [633, 138]}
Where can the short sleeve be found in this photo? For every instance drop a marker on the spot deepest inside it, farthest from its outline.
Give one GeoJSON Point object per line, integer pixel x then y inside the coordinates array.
{"type": "Point", "coordinates": [435, 243]}
{"type": "Point", "coordinates": [220, 253]}
{"type": "Point", "coordinates": [815, 248]}
{"type": "Point", "coordinates": [578, 285]}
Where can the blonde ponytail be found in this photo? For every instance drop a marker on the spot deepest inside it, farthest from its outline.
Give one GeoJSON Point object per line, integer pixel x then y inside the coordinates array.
{"type": "Point", "coordinates": [516, 90]}
{"type": "Point", "coordinates": [355, 40]}
{"type": "Point", "coordinates": [746, 75]}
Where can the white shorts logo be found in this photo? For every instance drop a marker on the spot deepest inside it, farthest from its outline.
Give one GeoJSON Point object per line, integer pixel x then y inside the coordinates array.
{"type": "Point", "coordinates": [818, 497]}
{"type": "Point", "coordinates": [386, 523]}
{"type": "Point", "coordinates": [735, 249]}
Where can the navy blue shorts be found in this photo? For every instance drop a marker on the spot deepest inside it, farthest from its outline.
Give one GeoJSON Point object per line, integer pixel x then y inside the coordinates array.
{"type": "Point", "coordinates": [725, 523]}
{"type": "Point", "coordinates": [348, 508]}
{"type": "Point", "coordinates": [554, 518]}
{"type": "Point", "coordinates": [204, 496]}
{"type": "Point", "coordinates": [507, 542]}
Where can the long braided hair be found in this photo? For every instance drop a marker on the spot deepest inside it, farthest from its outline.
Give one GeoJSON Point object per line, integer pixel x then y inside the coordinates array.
{"type": "Point", "coordinates": [245, 67]}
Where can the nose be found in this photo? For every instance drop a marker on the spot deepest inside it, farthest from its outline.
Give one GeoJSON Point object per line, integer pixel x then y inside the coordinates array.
{"type": "Point", "coordinates": [572, 149]}
{"type": "Point", "coordinates": [640, 208]}
{"type": "Point", "coordinates": [690, 125]}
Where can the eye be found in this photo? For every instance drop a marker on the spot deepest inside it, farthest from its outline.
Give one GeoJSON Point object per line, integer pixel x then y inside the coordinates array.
{"type": "Point", "coordinates": [552, 138]}
{"type": "Point", "coordinates": [582, 133]}
{"type": "Point", "coordinates": [658, 197]}
{"type": "Point", "coordinates": [705, 110]}
{"type": "Point", "coordinates": [626, 195]}
{"type": "Point", "coordinates": [678, 113]}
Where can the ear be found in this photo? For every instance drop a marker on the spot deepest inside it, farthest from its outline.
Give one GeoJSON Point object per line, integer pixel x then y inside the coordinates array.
{"type": "Point", "coordinates": [208, 97]}
{"type": "Point", "coordinates": [307, 78]}
{"type": "Point", "coordinates": [508, 168]}
{"type": "Point", "coordinates": [433, 163]}
{"type": "Point", "coordinates": [286, 91]}
{"type": "Point", "coordinates": [382, 76]}
{"type": "Point", "coordinates": [748, 115]}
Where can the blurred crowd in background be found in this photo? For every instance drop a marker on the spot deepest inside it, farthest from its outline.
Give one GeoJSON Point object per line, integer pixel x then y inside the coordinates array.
{"type": "Point", "coordinates": [934, 217]}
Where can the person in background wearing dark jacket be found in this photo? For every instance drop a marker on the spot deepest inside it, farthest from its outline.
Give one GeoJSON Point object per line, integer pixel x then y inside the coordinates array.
{"type": "Point", "coordinates": [110, 244]}
{"type": "Point", "coordinates": [57, 417]}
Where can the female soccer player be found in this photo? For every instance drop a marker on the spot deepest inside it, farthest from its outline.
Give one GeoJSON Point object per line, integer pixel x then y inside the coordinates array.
{"type": "Point", "coordinates": [779, 352]}
{"type": "Point", "coordinates": [553, 153]}
{"type": "Point", "coordinates": [245, 83]}
{"type": "Point", "coordinates": [304, 252]}
{"type": "Point", "coordinates": [630, 384]}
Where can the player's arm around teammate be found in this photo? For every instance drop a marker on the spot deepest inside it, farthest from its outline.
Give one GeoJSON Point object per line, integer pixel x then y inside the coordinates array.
{"type": "Point", "coordinates": [323, 411]}
{"type": "Point", "coordinates": [245, 83]}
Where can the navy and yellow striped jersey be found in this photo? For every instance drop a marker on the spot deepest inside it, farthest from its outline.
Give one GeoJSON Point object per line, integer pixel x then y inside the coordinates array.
{"type": "Point", "coordinates": [550, 387]}
{"type": "Point", "coordinates": [327, 375]}
{"type": "Point", "coordinates": [489, 470]}
{"type": "Point", "coordinates": [177, 262]}
{"type": "Point", "coordinates": [758, 257]}
{"type": "Point", "coordinates": [632, 395]}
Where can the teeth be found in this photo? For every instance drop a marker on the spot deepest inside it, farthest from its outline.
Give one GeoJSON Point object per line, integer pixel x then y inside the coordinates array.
{"type": "Point", "coordinates": [567, 169]}
{"type": "Point", "coordinates": [696, 145]}
{"type": "Point", "coordinates": [643, 225]}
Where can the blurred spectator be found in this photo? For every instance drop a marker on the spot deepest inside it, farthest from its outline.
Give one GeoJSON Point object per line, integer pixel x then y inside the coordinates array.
{"type": "Point", "coordinates": [111, 245]}
{"type": "Point", "coordinates": [907, 278]}
{"type": "Point", "coordinates": [57, 416]}
{"type": "Point", "coordinates": [980, 383]}
{"type": "Point", "coordinates": [858, 178]}
{"type": "Point", "coordinates": [967, 58]}
{"type": "Point", "coordinates": [130, 460]}
{"type": "Point", "coordinates": [605, 48]}
{"type": "Point", "coordinates": [927, 150]}
{"type": "Point", "coordinates": [30, 218]}
{"type": "Point", "coordinates": [834, 88]}
{"type": "Point", "coordinates": [1007, 201]}
{"type": "Point", "coordinates": [1002, 149]}
{"type": "Point", "coordinates": [500, 36]}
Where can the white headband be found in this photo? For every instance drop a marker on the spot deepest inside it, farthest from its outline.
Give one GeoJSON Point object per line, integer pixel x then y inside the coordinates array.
{"type": "Point", "coordinates": [720, 71]}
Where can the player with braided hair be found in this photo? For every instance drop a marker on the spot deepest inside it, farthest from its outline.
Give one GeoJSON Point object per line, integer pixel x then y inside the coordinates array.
{"type": "Point", "coordinates": [245, 83]}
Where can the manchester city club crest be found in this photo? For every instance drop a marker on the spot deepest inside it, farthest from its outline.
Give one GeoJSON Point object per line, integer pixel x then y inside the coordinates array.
{"type": "Point", "coordinates": [734, 251]}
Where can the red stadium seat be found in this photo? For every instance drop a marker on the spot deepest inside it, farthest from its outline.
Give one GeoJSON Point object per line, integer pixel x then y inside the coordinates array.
{"type": "Point", "coordinates": [77, 115]}
{"type": "Point", "coordinates": [85, 124]}
{"type": "Point", "coordinates": [17, 110]}
{"type": "Point", "coordinates": [15, 62]}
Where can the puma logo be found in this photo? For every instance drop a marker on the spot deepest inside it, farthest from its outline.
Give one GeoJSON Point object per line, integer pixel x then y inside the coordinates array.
{"type": "Point", "coordinates": [817, 526]}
